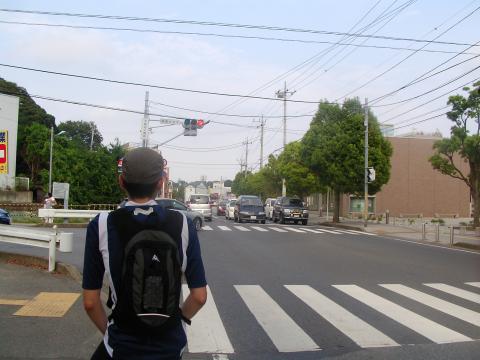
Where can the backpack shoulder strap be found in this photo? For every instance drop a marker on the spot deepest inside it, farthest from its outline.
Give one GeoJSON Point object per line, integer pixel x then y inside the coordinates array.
{"type": "Point", "coordinates": [104, 250]}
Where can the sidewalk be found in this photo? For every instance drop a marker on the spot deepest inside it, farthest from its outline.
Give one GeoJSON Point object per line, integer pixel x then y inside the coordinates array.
{"type": "Point", "coordinates": [41, 314]}
{"type": "Point", "coordinates": [414, 233]}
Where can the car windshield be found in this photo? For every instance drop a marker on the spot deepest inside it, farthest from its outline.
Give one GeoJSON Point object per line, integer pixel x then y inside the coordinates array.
{"type": "Point", "coordinates": [293, 202]}
{"type": "Point", "coordinates": [199, 199]}
{"type": "Point", "coordinates": [251, 201]}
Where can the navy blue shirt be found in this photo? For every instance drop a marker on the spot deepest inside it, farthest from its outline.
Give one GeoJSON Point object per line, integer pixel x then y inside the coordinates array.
{"type": "Point", "coordinates": [107, 250]}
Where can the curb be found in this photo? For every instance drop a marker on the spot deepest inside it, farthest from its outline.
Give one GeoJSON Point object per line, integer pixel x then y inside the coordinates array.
{"type": "Point", "coordinates": [42, 263]}
{"type": "Point", "coordinates": [63, 226]}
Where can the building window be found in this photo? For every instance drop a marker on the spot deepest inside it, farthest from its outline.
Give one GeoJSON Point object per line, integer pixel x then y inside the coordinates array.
{"type": "Point", "coordinates": [357, 204]}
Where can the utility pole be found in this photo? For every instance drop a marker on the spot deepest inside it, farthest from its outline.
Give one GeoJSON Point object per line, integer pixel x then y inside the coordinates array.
{"type": "Point", "coordinates": [365, 210]}
{"type": "Point", "coordinates": [262, 128]}
{"type": "Point", "coordinates": [246, 156]}
{"type": "Point", "coordinates": [145, 123]}
{"type": "Point", "coordinates": [283, 95]}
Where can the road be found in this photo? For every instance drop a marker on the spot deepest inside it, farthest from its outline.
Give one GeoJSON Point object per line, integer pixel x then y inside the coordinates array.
{"type": "Point", "coordinates": [307, 292]}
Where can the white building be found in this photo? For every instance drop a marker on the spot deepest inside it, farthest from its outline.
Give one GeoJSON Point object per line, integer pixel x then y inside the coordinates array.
{"type": "Point", "coordinates": [9, 106]}
{"type": "Point", "coordinates": [192, 190]}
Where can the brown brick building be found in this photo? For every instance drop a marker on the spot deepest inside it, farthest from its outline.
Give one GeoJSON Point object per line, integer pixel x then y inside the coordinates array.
{"type": "Point", "coordinates": [414, 186]}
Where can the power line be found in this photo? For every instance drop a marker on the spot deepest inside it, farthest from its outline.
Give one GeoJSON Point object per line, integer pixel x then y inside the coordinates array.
{"type": "Point", "coordinates": [410, 55]}
{"type": "Point", "coordinates": [431, 90]}
{"type": "Point", "coordinates": [420, 121]}
{"type": "Point", "coordinates": [418, 116]}
{"type": "Point", "coordinates": [151, 85]}
{"type": "Point", "coordinates": [219, 24]}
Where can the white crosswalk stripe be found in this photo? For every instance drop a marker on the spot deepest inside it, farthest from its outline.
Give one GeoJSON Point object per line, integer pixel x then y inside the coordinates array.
{"type": "Point", "coordinates": [207, 333]}
{"type": "Point", "coordinates": [468, 295]}
{"type": "Point", "coordinates": [224, 228]}
{"type": "Point", "coordinates": [459, 312]}
{"type": "Point", "coordinates": [425, 327]}
{"type": "Point", "coordinates": [362, 233]}
{"type": "Point", "coordinates": [476, 284]}
{"type": "Point", "coordinates": [329, 231]}
{"type": "Point", "coordinates": [285, 334]}
{"type": "Point", "coordinates": [355, 328]}
{"type": "Point", "coordinates": [348, 232]}
{"type": "Point", "coordinates": [294, 229]}
{"type": "Point", "coordinates": [241, 228]}
{"type": "Point", "coordinates": [206, 227]}
{"type": "Point", "coordinates": [278, 229]}
{"type": "Point", "coordinates": [313, 231]}
{"type": "Point", "coordinates": [258, 228]}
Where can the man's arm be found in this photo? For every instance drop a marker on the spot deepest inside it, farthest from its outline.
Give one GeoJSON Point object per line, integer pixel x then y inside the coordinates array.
{"type": "Point", "coordinates": [94, 308]}
{"type": "Point", "coordinates": [194, 302]}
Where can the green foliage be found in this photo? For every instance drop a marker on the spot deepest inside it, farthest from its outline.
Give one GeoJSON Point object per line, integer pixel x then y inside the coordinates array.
{"type": "Point", "coordinates": [463, 143]}
{"type": "Point", "coordinates": [333, 149]}
{"type": "Point", "coordinates": [81, 133]}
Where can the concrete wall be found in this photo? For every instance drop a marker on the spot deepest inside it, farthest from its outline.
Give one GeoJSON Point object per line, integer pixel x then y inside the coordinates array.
{"type": "Point", "coordinates": [415, 187]}
{"type": "Point", "coordinates": [16, 196]}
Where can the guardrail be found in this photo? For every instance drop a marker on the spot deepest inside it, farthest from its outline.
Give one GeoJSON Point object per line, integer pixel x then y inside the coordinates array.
{"type": "Point", "coordinates": [67, 213]}
{"type": "Point", "coordinates": [44, 239]}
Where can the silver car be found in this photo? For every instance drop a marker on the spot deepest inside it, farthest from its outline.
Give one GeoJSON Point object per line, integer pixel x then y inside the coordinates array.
{"type": "Point", "coordinates": [201, 204]}
{"type": "Point", "coordinates": [195, 216]}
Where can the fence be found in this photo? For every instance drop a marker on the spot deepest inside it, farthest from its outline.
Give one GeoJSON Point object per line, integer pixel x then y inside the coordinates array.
{"type": "Point", "coordinates": [44, 239]}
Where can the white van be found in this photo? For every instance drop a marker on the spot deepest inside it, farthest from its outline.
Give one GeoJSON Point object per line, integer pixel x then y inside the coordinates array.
{"type": "Point", "coordinates": [201, 203]}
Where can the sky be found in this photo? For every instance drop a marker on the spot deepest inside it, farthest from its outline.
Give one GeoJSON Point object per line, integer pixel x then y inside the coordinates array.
{"type": "Point", "coordinates": [314, 68]}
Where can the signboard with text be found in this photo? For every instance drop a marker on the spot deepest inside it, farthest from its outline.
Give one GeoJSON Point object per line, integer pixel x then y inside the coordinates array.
{"type": "Point", "coordinates": [3, 152]}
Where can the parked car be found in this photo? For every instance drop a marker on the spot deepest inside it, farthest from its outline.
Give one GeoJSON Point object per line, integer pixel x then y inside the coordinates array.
{"type": "Point", "coordinates": [290, 209]}
{"type": "Point", "coordinates": [230, 209]}
{"type": "Point", "coordinates": [222, 205]}
{"type": "Point", "coordinates": [269, 205]}
{"type": "Point", "coordinates": [201, 204]}
{"type": "Point", "coordinates": [249, 208]}
{"type": "Point", "coordinates": [196, 217]}
{"type": "Point", "coordinates": [5, 217]}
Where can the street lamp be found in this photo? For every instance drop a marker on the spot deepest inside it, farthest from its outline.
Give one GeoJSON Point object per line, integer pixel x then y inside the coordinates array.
{"type": "Point", "coordinates": [51, 155]}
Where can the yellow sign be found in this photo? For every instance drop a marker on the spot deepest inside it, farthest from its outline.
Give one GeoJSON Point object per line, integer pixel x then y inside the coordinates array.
{"type": "Point", "coordinates": [3, 151]}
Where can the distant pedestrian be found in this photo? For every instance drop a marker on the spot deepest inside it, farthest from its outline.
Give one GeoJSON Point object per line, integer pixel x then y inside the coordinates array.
{"type": "Point", "coordinates": [143, 249]}
{"type": "Point", "coordinates": [49, 203]}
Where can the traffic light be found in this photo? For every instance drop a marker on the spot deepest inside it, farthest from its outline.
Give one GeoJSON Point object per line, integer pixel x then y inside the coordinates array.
{"type": "Point", "coordinates": [200, 124]}
{"type": "Point", "coordinates": [191, 126]}
{"type": "Point", "coordinates": [371, 174]}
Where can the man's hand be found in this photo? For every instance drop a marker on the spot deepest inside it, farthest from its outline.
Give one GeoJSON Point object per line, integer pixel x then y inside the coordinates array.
{"type": "Point", "coordinates": [194, 301]}
{"type": "Point", "coordinates": [94, 308]}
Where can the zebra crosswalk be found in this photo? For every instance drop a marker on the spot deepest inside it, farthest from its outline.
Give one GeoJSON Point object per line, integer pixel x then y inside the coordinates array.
{"type": "Point", "coordinates": [283, 229]}
{"type": "Point", "coordinates": [210, 334]}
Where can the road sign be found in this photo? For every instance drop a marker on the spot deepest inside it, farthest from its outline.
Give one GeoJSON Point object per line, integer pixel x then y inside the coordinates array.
{"type": "Point", "coordinates": [3, 152]}
{"type": "Point", "coordinates": [371, 174]}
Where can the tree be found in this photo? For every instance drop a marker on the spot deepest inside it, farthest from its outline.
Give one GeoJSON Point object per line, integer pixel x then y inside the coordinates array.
{"type": "Point", "coordinates": [333, 149]}
{"type": "Point", "coordinates": [81, 132]}
{"type": "Point", "coordinates": [34, 150]}
{"type": "Point", "coordinates": [463, 143]}
{"type": "Point", "coordinates": [300, 180]}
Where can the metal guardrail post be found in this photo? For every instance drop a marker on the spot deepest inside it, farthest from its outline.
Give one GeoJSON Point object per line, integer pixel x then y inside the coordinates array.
{"type": "Point", "coordinates": [452, 230]}
{"type": "Point", "coordinates": [52, 247]}
{"type": "Point", "coordinates": [437, 232]}
{"type": "Point", "coordinates": [424, 231]}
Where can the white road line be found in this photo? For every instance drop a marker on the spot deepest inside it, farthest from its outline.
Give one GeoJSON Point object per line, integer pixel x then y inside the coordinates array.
{"type": "Point", "coordinates": [464, 294]}
{"type": "Point", "coordinates": [206, 227]}
{"type": "Point", "coordinates": [348, 232]}
{"type": "Point", "coordinates": [363, 233]}
{"type": "Point", "coordinates": [313, 231]}
{"type": "Point", "coordinates": [258, 228]}
{"type": "Point", "coordinates": [224, 228]}
{"type": "Point", "coordinates": [285, 334]}
{"type": "Point", "coordinates": [241, 228]}
{"type": "Point", "coordinates": [207, 333]}
{"type": "Point", "coordinates": [294, 230]}
{"type": "Point", "coordinates": [329, 231]}
{"type": "Point", "coordinates": [425, 327]}
{"type": "Point", "coordinates": [277, 229]}
{"type": "Point", "coordinates": [359, 331]}
{"type": "Point", "coordinates": [446, 307]}
{"type": "Point", "coordinates": [219, 357]}
{"type": "Point", "coordinates": [476, 284]}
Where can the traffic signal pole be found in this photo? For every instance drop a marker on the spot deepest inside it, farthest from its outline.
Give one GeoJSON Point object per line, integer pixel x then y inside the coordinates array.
{"type": "Point", "coordinates": [365, 210]}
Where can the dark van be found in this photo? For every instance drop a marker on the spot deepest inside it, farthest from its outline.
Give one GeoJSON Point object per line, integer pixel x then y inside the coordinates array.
{"type": "Point", "coordinates": [249, 208]}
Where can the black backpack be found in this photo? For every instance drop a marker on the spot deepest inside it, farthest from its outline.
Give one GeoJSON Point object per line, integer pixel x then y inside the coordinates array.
{"type": "Point", "coordinates": [149, 294]}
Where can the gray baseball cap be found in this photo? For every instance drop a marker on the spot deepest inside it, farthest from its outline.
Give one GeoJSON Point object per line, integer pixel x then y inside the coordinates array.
{"type": "Point", "coordinates": [142, 166]}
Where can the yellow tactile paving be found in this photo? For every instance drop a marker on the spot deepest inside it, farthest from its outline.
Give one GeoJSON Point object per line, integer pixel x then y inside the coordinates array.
{"type": "Point", "coordinates": [13, 302]}
{"type": "Point", "coordinates": [47, 304]}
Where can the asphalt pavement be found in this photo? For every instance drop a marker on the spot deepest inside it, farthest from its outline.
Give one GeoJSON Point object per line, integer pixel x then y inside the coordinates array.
{"type": "Point", "coordinates": [310, 292]}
